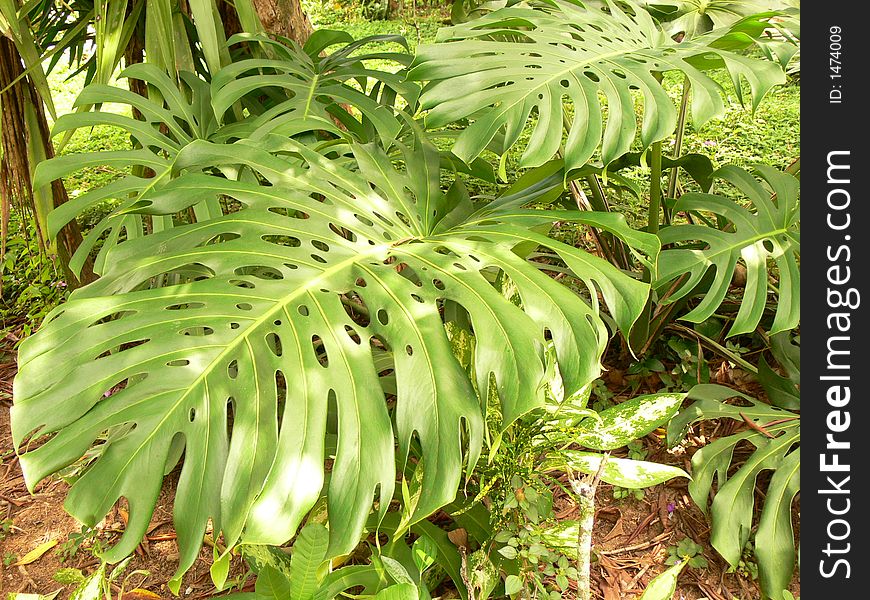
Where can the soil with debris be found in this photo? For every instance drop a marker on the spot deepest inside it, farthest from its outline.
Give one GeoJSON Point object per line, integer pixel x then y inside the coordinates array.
{"type": "Point", "coordinates": [631, 536]}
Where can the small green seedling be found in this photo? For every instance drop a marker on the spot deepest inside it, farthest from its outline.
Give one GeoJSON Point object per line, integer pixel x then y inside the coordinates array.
{"type": "Point", "coordinates": [746, 567]}
{"type": "Point", "coordinates": [687, 550]}
{"type": "Point", "coordinates": [620, 493]}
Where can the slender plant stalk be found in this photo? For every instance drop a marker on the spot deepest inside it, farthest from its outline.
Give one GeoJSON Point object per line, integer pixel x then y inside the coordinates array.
{"type": "Point", "coordinates": [609, 246]}
{"type": "Point", "coordinates": [717, 347]}
{"type": "Point", "coordinates": [599, 202]}
{"type": "Point", "coordinates": [585, 489]}
{"type": "Point", "coordinates": [655, 187]}
{"type": "Point", "coordinates": [678, 144]}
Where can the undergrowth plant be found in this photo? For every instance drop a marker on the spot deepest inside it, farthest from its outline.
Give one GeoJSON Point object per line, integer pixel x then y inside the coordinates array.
{"type": "Point", "coordinates": [774, 436]}
{"type": "Point", "coordinates": [537, 554]}
{"type": "Point", "coordinates": [298, 245]}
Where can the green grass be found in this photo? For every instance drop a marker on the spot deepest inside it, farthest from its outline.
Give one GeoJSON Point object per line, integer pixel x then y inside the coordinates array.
{"type": "Point", "coordinates": [420, 30]}
{"type": "Point", "coordinates": [31, 281]}
{"type": "Point", "coordinates": [770, 135]}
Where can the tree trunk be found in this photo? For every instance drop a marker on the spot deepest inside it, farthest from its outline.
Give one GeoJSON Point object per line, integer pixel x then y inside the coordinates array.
{"type": "Point", "coordinates": [15, 168]}
{"type": "Point", "coordinates": [285, 18]}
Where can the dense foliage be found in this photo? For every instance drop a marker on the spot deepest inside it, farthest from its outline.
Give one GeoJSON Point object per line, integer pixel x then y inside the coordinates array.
{"type": "Point", "coordinates": [309, 294]}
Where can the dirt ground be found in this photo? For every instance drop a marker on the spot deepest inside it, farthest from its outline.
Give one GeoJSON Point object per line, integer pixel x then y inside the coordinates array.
{"type": "Point", "coordinates": [631, 536]}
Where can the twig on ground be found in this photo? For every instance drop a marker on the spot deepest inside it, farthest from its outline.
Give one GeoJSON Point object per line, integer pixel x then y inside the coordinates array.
{"type": "Point", "coordinates": [659, 538]}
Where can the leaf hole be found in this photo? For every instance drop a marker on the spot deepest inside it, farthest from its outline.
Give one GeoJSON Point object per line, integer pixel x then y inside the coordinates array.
{"type": "Point", "coordinates": [378, 342]}
{"type": "Point", "coordinates": [384, 220]}
{"type": "Point", "coordinates": [280, 395]}
{"type": "Point", "coordinates": [282, 240]}
{"type": "Point", "coordinates": [320, 350]}
{"type": "Point", "coordinates": [185, 306]}
{"type": "Point", "coordinates": [356, 309]}
{"type": "Point", "coordinates": [352, 334]}
{"type": "Point", "coordinates": [274, 344]}
{"type": "Point", "coordinates": [113, 317]}
{"type": "Point", "coordinates": [197, 331]}
{"type": "Point", "coordinates": [260, 272]}
{"type": "Point", "coordinates": [242, 283]}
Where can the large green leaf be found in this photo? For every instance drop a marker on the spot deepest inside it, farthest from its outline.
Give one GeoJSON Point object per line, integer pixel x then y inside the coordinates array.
{"type": "Point", "coordinates": [624, 472]}
{"type": "Point", "coordinates": [312, 91]}
{"type": "Point", "coordinates": [157, 137]}
{"type": "Point", "coordinates": [627, 421]}
{"type": "Point", "coordinates": [502, 68]}
{"type": "Point", "coordinates": [768, 235]}
{"type": "Point", "coordinates": [775, 435]}
{"type": "Point", "coordinates": [274, 318]}
{"type": "Point", "coordinates": [734, 500]}
{"type": "Point", "coordinates": [775, 535]}
{"type": "Point", "coordinates": [695, 17]}
{"type": "Point", "coordinates": [664, 586]}
{"type": "Point", "coordinates": [299, 84]}
{"type": "Point", "coordinates": [309, 552]}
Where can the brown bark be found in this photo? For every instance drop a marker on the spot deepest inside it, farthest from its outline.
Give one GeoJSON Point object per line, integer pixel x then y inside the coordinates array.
{"type": "Point", "coordinates": [285, 18]}
{"type": "Point", "coordinates": [15, 170]}
{"type": "Point", "coordinates": [135, 53]}
{"type": "Point", "coordinates": [230, 19]}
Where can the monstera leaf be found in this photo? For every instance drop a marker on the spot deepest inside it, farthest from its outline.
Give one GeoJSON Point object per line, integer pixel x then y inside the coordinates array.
{"type": "Point", "coordinates": [775, 434]}
{"type": "Point", "coordinates": [296, 85]}
{"type": "Point", "coordinates": [162, 131]}
{"type": "Point", "coordinates": [261, 353]}
{"type": "Point", "coordinates": [695, 17]}
{"type": "Point", "coordinates": [768, 234]}
{"type": "Point", "coordinates": [525, 59]}
{"type": "Point", "coordinates": [308, 96]}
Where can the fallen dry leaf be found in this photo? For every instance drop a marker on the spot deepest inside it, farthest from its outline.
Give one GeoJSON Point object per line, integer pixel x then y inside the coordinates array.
{"type": "Point", "coordinates": [459, 537]}
{"type": "Point", "coordinates": [36, 553]}
{"type": "Point", "coordinates": [140, 594]}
